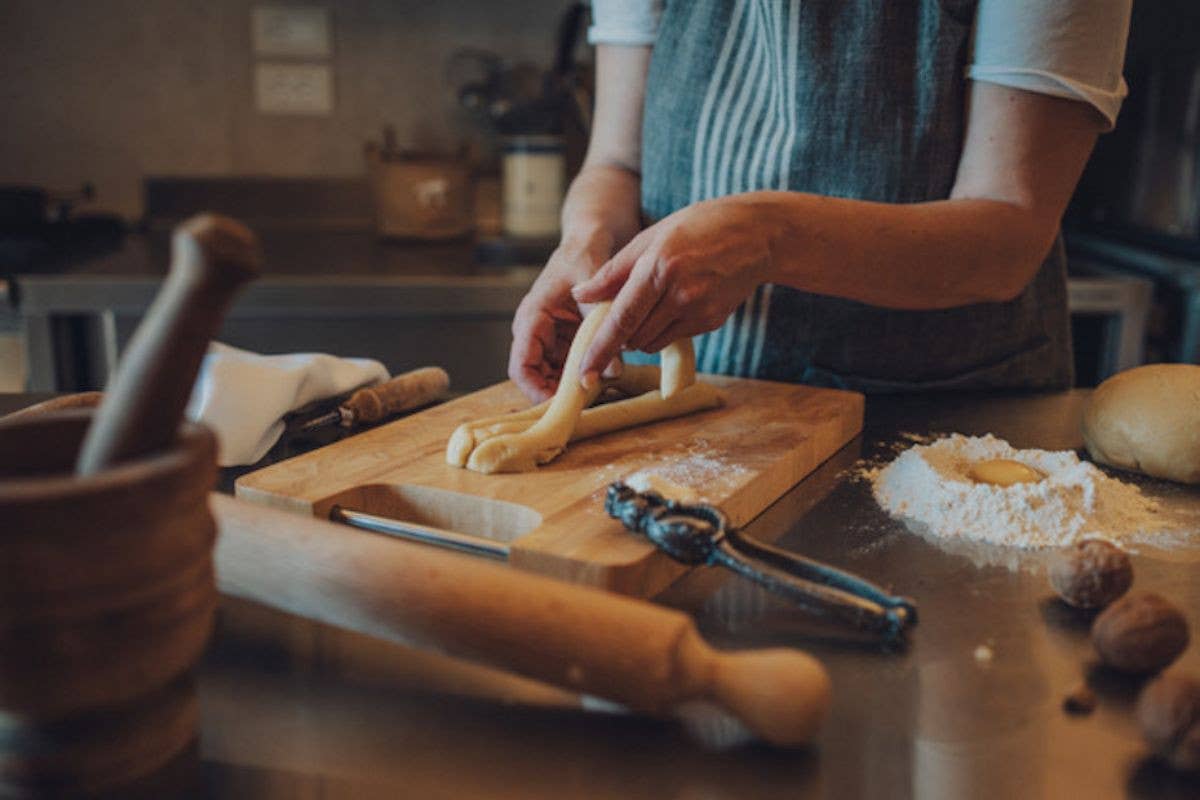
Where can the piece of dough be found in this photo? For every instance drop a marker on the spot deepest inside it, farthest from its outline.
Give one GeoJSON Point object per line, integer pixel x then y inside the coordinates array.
{"type": "Point", "coordinates": [518, 442]}
{"type": "Point", "coordinates": [635, 379]}
{"type": "Point", "coordinates": [678, 367]}
{"type": "Point", "coordinates": [467, 435]}
{"type": "Point", "coordinates": [648, 407]}
{"type": "Point", "coordinates": [645, 408]}
{"type": "Point", "coordinates": [1147, 419]}
{"type": "Point", "coordinates": [546, 438]}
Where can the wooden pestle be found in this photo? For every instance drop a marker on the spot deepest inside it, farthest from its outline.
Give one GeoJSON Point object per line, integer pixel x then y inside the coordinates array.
{"type": "Point", "coordinates": [646, 657]}
{"type": "Point", "coordinates": [211, 257]}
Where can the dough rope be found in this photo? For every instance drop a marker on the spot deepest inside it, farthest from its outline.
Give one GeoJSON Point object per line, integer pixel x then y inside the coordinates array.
{"type": "Point", "coordinates": [634, 380]}
{"type": "Point", "coordinates": [520, 441]}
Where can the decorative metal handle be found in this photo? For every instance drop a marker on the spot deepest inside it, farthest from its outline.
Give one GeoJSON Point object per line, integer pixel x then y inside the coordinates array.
{"type": "Point", "coordinates": [697, 533]}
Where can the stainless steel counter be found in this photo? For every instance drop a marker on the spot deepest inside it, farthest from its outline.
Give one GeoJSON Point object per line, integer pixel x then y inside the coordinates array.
{"type": "Point", "coordinates": [345, 293]}
{"type": "Point", "coordinates": [292, 709]}
{"type": "Point", "coordinates": [322, 709]}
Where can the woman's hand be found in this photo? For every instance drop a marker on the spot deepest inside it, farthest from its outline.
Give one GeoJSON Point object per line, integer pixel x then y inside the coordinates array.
{"type": "Point", "coordinates": [600, 214]}
{"type": "Point", "coordinates": [680, 277]}
{"type": "Point", "coordinates": [546, 320]}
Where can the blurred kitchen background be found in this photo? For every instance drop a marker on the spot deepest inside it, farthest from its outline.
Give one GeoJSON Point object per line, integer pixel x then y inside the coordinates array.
{"type": "Point", "coordinates": [403, 162]}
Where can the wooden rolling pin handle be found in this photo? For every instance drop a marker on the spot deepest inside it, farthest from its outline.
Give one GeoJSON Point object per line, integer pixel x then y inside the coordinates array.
{"type": "Point", "coordinates": [142, 407]}
{"type": "Point", "coordinates": [780, 694]}
{"type": "Point", "coordinates": [646, 657]}
{"type": "Point", "coordinates": [401, 393]}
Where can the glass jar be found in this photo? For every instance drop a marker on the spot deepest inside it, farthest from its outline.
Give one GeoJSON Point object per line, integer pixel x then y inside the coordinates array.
{"type": "Point", "coordinates": [534, 174]}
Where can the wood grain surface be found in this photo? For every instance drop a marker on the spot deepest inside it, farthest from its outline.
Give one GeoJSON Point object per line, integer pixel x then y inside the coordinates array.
{"type": "Point", "coordinates": [640, 655]}
{"type": "Point", "coordinates": [107, 594]}
{"type": "Point", "coordinates": [742, 457]}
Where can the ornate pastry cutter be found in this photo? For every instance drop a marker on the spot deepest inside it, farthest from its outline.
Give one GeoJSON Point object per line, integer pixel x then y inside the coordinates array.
{"type": "Point", "coordinates": [699, 534]}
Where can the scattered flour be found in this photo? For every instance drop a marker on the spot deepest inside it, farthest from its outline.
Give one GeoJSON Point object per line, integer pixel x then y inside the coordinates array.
{"type": "Point", "coordinates": [692, 469]}
{"type": "Point", "coordinates": [650, 481]}
{"type": "Point", "coordinates": [928, 484]}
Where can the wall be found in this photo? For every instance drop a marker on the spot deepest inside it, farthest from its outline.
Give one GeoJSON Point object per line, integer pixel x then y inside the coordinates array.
{"type": "Point", "coordinates": [111, 90]}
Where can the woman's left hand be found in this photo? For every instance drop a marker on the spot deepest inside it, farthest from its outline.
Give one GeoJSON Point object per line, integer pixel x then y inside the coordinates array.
{"type": "Point", "coordinates": [680, 277]}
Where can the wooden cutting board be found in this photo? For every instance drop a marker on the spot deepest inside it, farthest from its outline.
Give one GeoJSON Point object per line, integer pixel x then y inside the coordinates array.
{"type": "Point", "coordinates": [742, 457]}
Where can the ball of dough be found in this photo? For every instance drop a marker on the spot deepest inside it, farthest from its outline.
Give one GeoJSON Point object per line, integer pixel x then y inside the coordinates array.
{"type": "Point", "coordinates": [1147, 419]}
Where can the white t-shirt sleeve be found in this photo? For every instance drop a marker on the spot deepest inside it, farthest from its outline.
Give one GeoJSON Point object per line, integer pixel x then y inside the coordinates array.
{"type": "Point", "coordinates": [1066, 48]}
{"type": "Point", "coordinates": [629, 22]}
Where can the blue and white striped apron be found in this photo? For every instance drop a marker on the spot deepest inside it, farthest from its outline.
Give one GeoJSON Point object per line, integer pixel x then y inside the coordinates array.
{"type": "Point", "coordinates": [847, 98]}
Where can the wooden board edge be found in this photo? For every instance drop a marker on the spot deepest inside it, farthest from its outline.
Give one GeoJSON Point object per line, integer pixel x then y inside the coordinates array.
{"type": "Point", "coordinates": [644, 577]}
{"type": "Point", "coordinates": [650, 574]}
{"type": "Point", "coordinates": [270, 499]}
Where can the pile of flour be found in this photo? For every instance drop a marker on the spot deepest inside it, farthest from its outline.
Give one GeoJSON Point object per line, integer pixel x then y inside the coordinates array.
{"type": "Point", "coordinates": [928, 484]}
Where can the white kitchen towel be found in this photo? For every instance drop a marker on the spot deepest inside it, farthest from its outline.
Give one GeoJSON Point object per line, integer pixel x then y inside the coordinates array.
{"type": "Point", "coordinates": [243, 396]}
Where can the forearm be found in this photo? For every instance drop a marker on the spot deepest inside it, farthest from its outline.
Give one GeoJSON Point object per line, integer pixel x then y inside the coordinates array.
{"type": "Point", "coordinates": [1022, 157]}
{"type": "Point", "coordinates": [601, 208]}
{"type": "Point", "coordinates": [604, 199]}
{"type": "Point", "coordinates": [917, 256]}
{"type": "Point", "coordinates": [688, 272]}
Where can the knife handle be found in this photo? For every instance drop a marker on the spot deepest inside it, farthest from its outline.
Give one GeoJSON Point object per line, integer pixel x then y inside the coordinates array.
{"type": "Point", "coordinates": [643, 656]}
{"type": "Point", "coordinates": [409, 390]}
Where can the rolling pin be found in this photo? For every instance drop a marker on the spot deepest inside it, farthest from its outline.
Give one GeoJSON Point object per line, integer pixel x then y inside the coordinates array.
{"type": "Point", "coordinates": [373, 403]}
{"type": "Point", "coordinates": [211, 257]}
{"type": "Point", "coordinates": [646, 657]}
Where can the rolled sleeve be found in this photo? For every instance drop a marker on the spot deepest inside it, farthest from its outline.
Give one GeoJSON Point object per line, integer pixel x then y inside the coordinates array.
{"type": "Point", "coordinates": [1065, 48]}
{"type": "Point", "coordinates": [627, 22]}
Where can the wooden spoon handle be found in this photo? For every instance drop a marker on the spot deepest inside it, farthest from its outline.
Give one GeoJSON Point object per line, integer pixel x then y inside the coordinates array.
{"type": "Point", "coordinates": [211, 257]}
{"type": "Point", "coordinates": [412, 389]}
{"type": "Point", "coordinates": [646, 657]}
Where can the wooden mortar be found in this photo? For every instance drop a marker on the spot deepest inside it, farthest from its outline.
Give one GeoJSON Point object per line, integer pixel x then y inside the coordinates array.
{"type": "Point", "coordinates": [107, 595]}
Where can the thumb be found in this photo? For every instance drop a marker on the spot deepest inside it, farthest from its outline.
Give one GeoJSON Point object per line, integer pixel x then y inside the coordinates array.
{"type": "Point", "coordinates": [611, 276]}
{"type": "Point", "coordinates": [605, 284]}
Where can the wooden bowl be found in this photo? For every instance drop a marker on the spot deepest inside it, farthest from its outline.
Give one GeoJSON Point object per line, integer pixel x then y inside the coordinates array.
{"type": "Point", "coordinates": [107, 595]}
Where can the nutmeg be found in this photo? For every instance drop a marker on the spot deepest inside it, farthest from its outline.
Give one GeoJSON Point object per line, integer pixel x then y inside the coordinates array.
{"type": "Point", "coordinates": [1091, 574]}
{"type": "Point", "coordinates": [1140, 633]}
{"type": "Point", "coordinates": [1169, 714]}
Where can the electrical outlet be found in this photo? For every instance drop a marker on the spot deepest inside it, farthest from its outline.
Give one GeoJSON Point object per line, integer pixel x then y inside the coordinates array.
{"type": "Point", "coordinates": [291, 31]}
{"type": "Point", "coordinates": [294, 89]}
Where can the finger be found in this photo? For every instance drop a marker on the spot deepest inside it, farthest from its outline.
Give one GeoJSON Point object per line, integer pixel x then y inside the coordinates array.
{"type": "Point", "coordinates": [530, 378]}
{"type": "Point", "coordinates": [609, 279]}
{"type": "Point", "coordinates": [679, 329]}
{"type": "Point", "coordinates": [660, 317]}
{"type": "Point", "coordinates": [614, 369]}
{"type": "Point", "coordinates": [635, 300]}
{"type": "Point", "coordinates": [533, 341]}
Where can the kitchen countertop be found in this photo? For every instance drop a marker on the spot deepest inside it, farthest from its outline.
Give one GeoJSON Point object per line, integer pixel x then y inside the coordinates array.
{"type": "Point", "coordinates": [294, 253]}
{"type": "Point", "coordinates": [345, 292]}
{"type": "Point", "coordinates": [294, 709]}
{"type": "Point", "coordinates": [333, 262]}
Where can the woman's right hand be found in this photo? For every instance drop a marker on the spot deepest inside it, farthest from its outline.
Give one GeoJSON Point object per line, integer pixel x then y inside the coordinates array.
{"type": "Point", "coordinates": [600, 215]}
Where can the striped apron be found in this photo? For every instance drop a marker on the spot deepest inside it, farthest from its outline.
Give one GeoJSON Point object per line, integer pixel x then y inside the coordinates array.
{"type": "Point", "coordinates": [848, 98]}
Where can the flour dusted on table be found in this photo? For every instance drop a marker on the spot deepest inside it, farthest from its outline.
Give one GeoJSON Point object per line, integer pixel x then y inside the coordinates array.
{"type": "Point", "coordinates": [929, 484]}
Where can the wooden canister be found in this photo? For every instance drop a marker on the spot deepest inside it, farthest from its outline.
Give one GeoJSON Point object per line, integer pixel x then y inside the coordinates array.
{"type": "Point", "coordinates": [420, 196]}
{"type": "Point", "coordinates": [107, 595]}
